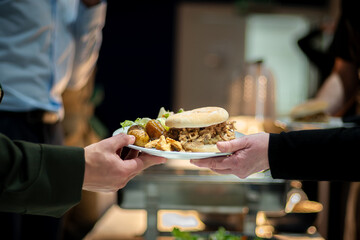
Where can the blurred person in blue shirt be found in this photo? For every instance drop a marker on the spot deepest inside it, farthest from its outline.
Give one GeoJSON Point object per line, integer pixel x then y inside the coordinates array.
{"type": "Point", "coordinates": [45, 47]}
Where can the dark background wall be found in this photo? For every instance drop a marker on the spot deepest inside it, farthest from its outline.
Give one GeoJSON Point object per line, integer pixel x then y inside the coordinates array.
{"type": "Point", "coordinates": [135, 66]}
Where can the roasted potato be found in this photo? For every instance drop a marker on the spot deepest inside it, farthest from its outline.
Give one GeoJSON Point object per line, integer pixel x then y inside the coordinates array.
{"type": "Point", "coordinates": [137, 127]}
{"type": "Point", "coordinates": [154, 129]}
{"type": "Point", "coordinates": [141, 137]}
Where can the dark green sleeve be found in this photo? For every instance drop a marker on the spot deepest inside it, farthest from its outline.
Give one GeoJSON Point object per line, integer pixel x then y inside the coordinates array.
{"type": "Point", "coordinates": [39, 179]}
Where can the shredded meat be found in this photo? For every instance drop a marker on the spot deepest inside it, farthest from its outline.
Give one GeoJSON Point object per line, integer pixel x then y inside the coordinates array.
{"type": "Point", "coordinates": [175, 145]}
{"type": "Point", "coordinates": [207, 135]}
{"type": "Point", "coordinates": [177, 139]}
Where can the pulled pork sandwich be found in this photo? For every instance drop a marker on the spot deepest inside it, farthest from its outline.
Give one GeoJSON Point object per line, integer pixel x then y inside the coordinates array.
{"type": "Point", "coordinates": [199, 130]}
{"type": "Point", "coordinates": [311, 111]}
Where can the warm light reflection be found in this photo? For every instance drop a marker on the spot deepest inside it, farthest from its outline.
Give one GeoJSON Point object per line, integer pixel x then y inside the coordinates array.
{"type": "Point", "coordinates": [265, 231]}
{"type": "Point", "coordinates": [248, 124]}
{"type": "Point", "coordinates": [119, 223]}
{"type": "Point", "coordinates": [181, 165]}
{"type": "Point", "coordinates": [248, 88]}
{"type": "Point", "coordinates": [185, 220]}
{"type": "Point", "coordinates": [260, 218]}
{"type": "Point", "coordinates": [262, 88]}
{"type": "Point", "coordinates": [307, 206]}
{"type": "Point", "coordinates": [311, 230]}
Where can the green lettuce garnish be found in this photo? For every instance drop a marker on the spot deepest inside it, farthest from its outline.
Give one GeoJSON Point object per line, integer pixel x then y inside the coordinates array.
{"type": "Point", "coordinates": [180, 235]}
{"type": "Point", "coordinates": [162, 121]}
{"type": "Point", "coordinates": [220, 234]}
{"type": "Point", "coordinates": [142, 121]}
{"type": "Point", "coordinates": [163, 113]}
{"type": "Point", "coordinates": [139, 121]}
{"type": "Point", "coordinates": [127, 123]}
{"type": "Point", "coordinates": [162, 116]}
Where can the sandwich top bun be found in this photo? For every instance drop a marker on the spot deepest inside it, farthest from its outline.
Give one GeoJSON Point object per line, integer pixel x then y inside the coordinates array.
{"type": "Point", "coordinates": [308, 109]}
{"type": "Point", "coordinates": [196, 118]}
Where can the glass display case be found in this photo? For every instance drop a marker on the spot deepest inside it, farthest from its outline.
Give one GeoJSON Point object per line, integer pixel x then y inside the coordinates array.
{"type": "Point", "coordinates": [179, 186]}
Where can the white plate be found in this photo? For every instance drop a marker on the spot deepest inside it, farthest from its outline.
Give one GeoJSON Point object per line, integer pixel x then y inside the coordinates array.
{"type": "Point", "coordinates": [291, 125]}
{"type": "Point", "coordinates": [173, 154]}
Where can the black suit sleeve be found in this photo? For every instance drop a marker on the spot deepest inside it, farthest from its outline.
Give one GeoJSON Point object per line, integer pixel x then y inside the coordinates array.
{"type": "Point", "coordinates": [39, 179]}
{"type": "Point", "coordinates": [331, 154]}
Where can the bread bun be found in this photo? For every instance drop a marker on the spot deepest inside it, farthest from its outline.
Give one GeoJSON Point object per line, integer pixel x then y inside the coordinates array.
{"type": "Point", "coordinates": [309, 108]}
{"type": "Point", "coordinates": [197, 147]}
{"type": "Point", "coordinates": [196, 118]}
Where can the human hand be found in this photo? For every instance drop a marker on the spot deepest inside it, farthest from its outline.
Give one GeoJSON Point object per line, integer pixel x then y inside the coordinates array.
{"type": "Point", "coordinates": [250, 155]}
{"type": "Point", "coordinates": [105, 171]}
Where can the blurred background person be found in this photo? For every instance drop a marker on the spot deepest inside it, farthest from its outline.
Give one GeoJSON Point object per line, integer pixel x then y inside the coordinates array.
{"type": "Point", "coordinates": [45, 47]}
{"type": "Point", "coordinates": [340, 89]}
{"type": "Point", "coordinates": [315, 46]}
{"type": "Point", "coordinates": [341, 92]}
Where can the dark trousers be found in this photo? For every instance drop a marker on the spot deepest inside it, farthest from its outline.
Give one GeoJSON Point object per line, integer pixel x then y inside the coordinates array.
{"type": "Point", "coordinates": [17, 226]}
